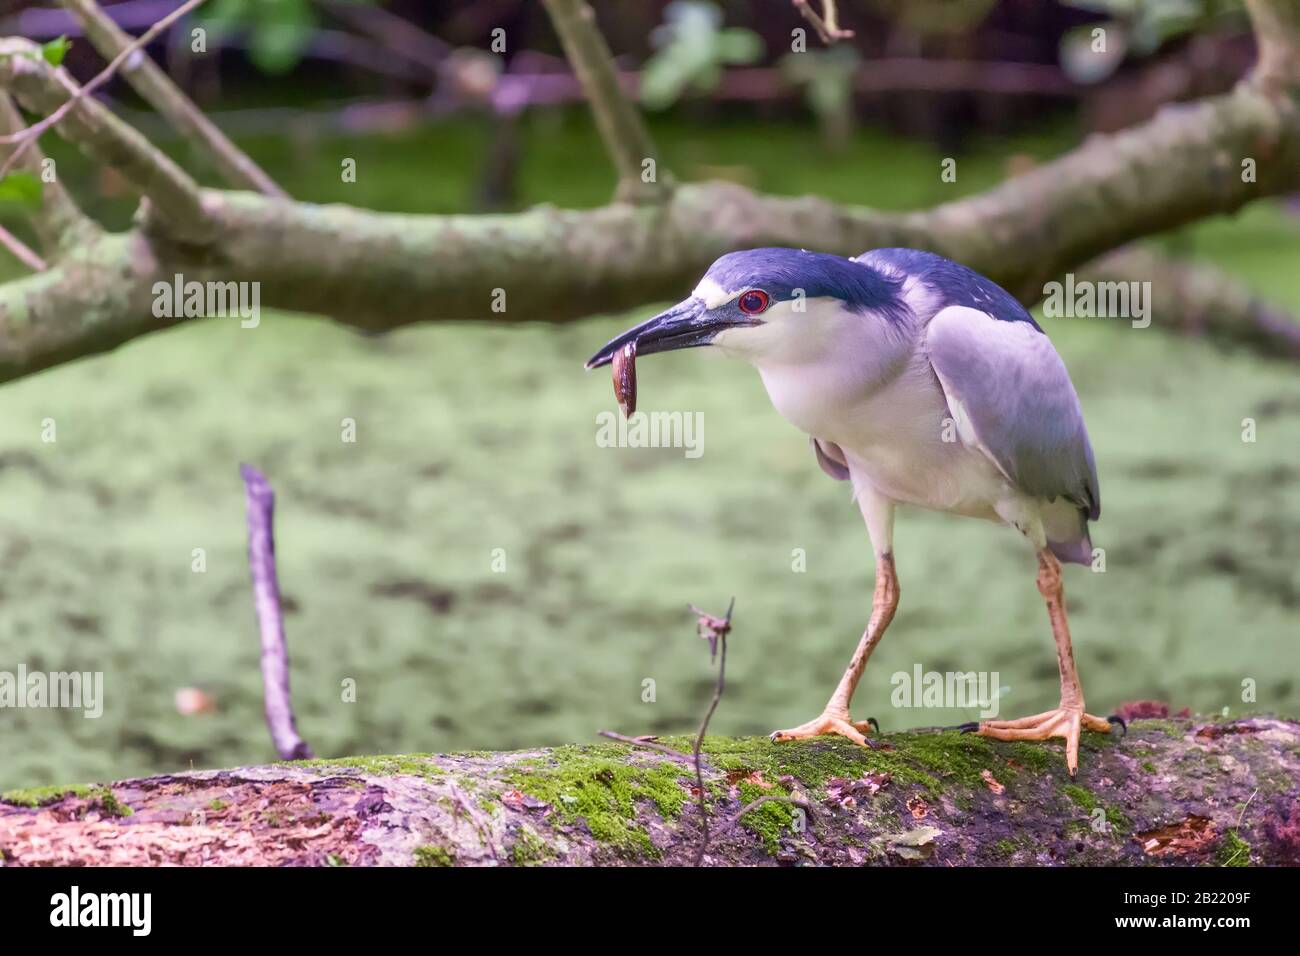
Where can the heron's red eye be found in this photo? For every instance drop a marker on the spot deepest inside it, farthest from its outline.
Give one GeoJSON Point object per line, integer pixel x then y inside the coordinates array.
{"type": "Point", "coordinates": [753, 302]}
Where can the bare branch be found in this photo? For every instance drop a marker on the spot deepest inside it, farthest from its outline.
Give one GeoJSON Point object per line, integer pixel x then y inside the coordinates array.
{"type": "Point", "coordinates": [626, 139]}
{"type": "Point", "coordinates": [42, 88]}
{"type": "Point", "coordinates": [21, 251]}
{"type": "Point", "coordinates": [59, 223]}
{"type": "Point", "coordinates": [266, 599]}
{"type": "Point", "coordinates": [827, 23]}
{"type": "Point", "coordinates": [154, 86]}
{"type": "Point", "coordinates": [76, 95]}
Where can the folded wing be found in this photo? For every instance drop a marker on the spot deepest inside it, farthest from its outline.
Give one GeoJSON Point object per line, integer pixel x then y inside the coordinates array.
{"type": "Point", "coordinates": [1011, 396]}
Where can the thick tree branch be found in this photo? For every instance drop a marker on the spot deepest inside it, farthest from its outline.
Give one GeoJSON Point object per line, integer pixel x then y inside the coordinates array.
{"type": "Point", "coordinates": [1184, 164]}
{"type": "Point", "coordinates": [1199, 299]}
{"type": "Point", "coordinates": [379, 271]}
{"type": "Point", "coordinates": [59, 223]}
{"type": "Point", "coordinates": [154, 86]}
{"type": "Point", "coordinates": [42, 88]}
{"type": "Point", "coordinates": [620, 124]}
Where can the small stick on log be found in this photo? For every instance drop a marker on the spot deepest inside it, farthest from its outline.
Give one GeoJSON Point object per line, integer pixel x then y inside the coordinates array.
{"type": "Point", "coordinates": [638, 742]}
{"type": "Point", "coordinates": [799, 802]}
{"type": "Point", "coordinates": [266, 600]}
{"type": "Point", "coordinates": [715, 631]}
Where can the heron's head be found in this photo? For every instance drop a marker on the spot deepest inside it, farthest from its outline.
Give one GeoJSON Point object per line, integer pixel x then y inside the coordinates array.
{"type": "Point", "coordinates": [767, 305]}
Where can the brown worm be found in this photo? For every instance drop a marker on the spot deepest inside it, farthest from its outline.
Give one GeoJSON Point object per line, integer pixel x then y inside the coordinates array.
{"type": "Point", "coordinates": [624, 369]}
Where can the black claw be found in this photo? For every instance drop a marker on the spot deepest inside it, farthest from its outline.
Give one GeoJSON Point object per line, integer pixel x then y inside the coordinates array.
{"type": "Point", "coordinates": [875, 724]}
{"type": "Point", "coordinates": [966, 728]}
{"type": "Point", "coordinates": [1117, 719]}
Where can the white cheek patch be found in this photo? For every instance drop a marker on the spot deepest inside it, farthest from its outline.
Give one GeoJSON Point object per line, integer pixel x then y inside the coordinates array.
{"type": "Point", "coordinates": [713, 295]}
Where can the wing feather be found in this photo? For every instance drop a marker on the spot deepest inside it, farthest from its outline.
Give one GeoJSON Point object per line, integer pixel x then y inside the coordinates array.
{"type": "Point", "coordinates": [1010, 393]}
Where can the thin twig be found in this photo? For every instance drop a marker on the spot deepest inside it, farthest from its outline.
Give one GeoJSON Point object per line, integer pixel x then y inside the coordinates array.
{"type": "Point", "coordinates": [157, 89]}
{"type": "Point", "coordinates": [266, 600]}
{"type": "Point", "coordinates": [715, 631]}
{"type": "Point", "coordinates": [799, 802]}
{"type": "Point", "coordinates": [1241, 816]}
{"type": "Point", "coordinates": [21, 251]}
{"type": "Point", "coordinates": [827, 24]}
{"type": "Point", "coordinates": [24, 138]}
{"type": "Point", "coordinates": [635, 742]}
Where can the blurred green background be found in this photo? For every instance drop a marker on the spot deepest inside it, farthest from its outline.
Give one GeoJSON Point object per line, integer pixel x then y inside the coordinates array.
{"type": "Point", "coordinates": [473, 437]}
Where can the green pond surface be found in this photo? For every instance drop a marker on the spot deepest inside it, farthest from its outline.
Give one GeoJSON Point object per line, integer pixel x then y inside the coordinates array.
{"type": "Point", "coordinates": [491, 578]}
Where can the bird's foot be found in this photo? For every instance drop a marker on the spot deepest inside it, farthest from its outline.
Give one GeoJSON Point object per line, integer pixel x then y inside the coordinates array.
{"type": "Point", "coordinates": [829, 723]}
{"type": "Point", "coordinates": [1064, 722]}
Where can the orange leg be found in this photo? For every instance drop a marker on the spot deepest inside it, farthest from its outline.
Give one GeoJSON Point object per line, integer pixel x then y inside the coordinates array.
{"type": "Point", "coordinates": [1069, 718]}
{"type": "Point", "coordinates": [835, 718]}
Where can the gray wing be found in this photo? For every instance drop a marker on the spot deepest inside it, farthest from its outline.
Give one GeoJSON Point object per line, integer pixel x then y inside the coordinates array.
{"type": "Point", "coordinates": [1010, 395]}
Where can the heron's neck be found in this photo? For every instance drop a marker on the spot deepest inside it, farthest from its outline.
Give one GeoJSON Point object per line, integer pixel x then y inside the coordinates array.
{"type": "Point", "coordinates": [819, 368]}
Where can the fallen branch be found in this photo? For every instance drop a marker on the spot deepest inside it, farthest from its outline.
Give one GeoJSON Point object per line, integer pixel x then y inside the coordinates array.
{"type": "Point", "coordinates": [933, 799]}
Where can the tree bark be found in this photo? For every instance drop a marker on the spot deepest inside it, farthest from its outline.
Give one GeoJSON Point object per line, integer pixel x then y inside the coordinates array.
{"type": "Point", "coordinates": [1182, 791]}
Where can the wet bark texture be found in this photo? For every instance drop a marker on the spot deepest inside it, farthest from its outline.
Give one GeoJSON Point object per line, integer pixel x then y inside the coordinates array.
{"type": "Point", "coordinates": [1180, 791]}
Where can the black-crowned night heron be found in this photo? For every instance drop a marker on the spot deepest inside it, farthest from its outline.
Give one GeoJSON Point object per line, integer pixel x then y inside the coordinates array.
{"type": "Point", "coordinates": [922, 383]}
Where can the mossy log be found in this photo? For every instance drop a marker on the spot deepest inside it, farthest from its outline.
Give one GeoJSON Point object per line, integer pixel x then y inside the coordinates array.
{"type": "Point", "coordinates": [1180, 791]}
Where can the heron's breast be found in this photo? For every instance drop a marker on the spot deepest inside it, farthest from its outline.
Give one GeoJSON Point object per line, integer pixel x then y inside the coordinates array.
{"type": "Point", "coordinates": [900, 436]}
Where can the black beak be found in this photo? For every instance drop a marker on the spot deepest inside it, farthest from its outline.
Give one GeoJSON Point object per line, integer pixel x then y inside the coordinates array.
{"type": "Point", "coordinates": [686, 325]}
